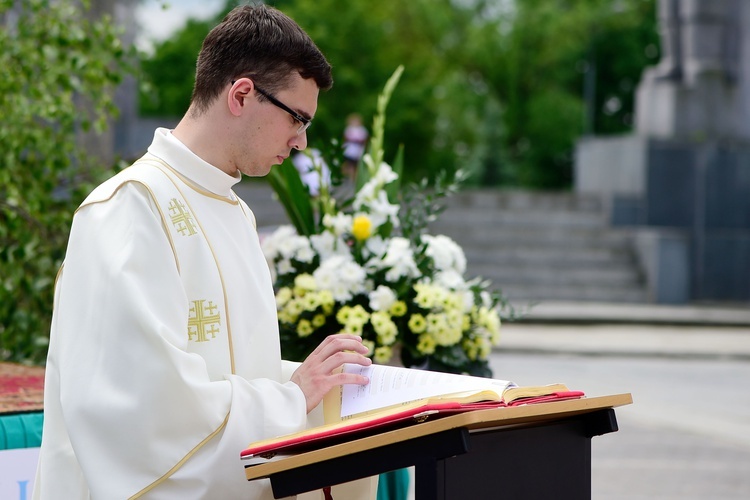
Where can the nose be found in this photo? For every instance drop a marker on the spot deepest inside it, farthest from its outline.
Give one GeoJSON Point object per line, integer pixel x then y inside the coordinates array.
{"type": "Point", "coordinates": [299, 141]}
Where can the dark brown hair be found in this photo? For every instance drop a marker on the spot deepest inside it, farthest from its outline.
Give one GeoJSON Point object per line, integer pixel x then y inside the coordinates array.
{"type": "Point", "coordinates": [261, 43]}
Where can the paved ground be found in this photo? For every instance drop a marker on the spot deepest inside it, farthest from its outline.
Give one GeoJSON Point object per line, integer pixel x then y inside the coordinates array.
{"type": "Point", "coordinates": [687, 433]}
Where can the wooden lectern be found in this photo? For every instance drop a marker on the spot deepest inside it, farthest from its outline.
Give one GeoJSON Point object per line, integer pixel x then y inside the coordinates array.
{"type": "Point", "coordinates": [537, 451]}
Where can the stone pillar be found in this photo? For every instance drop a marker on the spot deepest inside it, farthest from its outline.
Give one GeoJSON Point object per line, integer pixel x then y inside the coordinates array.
{"type": "Point", "coordinates": [683, 177]}
{"type": "Point", "coordinates": [694, 93]}
{"type": "Point", "coordinates": [113, 143]}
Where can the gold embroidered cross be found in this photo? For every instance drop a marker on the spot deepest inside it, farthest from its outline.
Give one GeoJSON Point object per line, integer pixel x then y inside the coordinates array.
{"type": "Point", "coordinates": [181, 218]}
{"type": "Point", "coordinates": [204, 320]}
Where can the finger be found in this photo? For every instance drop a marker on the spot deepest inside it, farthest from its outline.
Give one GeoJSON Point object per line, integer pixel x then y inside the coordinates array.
{"type": "Point", "coordinates": [339, 358]}
{"type": "Point", "coordinates": [351, 378]}
{"type": "Point", "coordinates": [342, 344]}
{"type": "Point", "coordinates": [336, 338]}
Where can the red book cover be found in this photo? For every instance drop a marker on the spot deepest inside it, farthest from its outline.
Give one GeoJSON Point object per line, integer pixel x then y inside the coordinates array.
{"type": "Point", "coordinates": [371, 424]}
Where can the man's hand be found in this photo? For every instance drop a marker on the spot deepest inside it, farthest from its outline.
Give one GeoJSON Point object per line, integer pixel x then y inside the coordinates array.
{"type": "Point", "coordinates": [315, 375]}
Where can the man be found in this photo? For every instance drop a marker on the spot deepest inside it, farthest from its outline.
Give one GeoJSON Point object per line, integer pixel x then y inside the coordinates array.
{"type": "Point", "coordinates": [164, 358]}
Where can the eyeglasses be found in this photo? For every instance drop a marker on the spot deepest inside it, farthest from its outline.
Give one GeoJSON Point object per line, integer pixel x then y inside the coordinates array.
{"type": "Point", "coordinates": [304, 122]}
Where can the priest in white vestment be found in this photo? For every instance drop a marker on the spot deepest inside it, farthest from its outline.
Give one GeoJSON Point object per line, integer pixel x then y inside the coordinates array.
{"type": "Point", "coordinates": [164, 359]}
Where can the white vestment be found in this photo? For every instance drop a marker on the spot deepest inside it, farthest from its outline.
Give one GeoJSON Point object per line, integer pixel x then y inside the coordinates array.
{"type": "Point", "coordinates": [164, 362]}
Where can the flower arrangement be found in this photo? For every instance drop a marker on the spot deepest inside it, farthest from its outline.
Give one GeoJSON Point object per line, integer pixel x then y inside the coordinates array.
{"type": "Point", "coordinates": [367, 266]}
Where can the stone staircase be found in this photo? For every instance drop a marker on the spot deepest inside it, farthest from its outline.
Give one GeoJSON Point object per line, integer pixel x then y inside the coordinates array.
{"type": "Point", "coordinates": [544, 246]}
{"type": "Point", "coordinates": [534, 247]}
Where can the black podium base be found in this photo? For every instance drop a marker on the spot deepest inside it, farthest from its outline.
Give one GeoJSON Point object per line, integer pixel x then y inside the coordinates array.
{"type": "Point", "coordinates": [542, 461]}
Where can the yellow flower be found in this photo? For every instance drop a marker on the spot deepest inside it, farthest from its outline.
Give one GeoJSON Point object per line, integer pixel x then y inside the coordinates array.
{"type": "Point", "coordinates": [353, 328]}
{"type": "Point", "coordinates": [344, 314]}
{"type": "Point", "coordinates": [304, 283]}
{"type": "Point", "coordinates": [361, 227]}
{"type": "Point", "coordinates": [470, 349]}
{"type": "Point", "coordinates": [455, 318]}
{"type": "Point", "coordinates": [290, 312]}
{"type": "Point", "coordinates": [295, 307]}
{"type": "Point", "coordinates": [318, 320]}
{"type": "Point", "coordinates": [384, 327]}
{"type": "Point", "coordinates": [379, 318]}
{"type": "Point", "coordinates": [454, 301]}
{"type": "Point", "coordinates": [426, 344]}
{"type": "Point", "coordinates": [425, 298]}
{"type": "Point", "coordinates": [398, 308]}
{"type": "Point", "coordinates": [304, 328]}
{"type": "Point", "coordinates": [436, 323]}
{"type": "Point", "coordinates": [285, 317]}
{"type": "Point", "coordinates": [493, 322]}
{"type": "Point", "coordinates": [383, 354]}
{"type": "Point", "coordinates": [326, 298]}
{"type": "Point", "coordinates": [477, 348]}
{"type": "Point", "coordinates": [359, 314]}
{"type": "Point", "coordinates": [326, 301]}
{"type": "Point", "coordinates": [310, 301]}
{"type": "Point", "coordinates": [417, 323]}
{"type": "Point", "coordinates": [485, 348]}
{"type": "Point", "coordinates": [283, 296]}
{"type": "Point", "coordinates": [370, 346]}
{"type": "Point", "coordinates": [387, 336]}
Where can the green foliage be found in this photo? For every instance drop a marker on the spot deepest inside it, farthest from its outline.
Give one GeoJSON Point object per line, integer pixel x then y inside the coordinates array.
{"type": "Point", "coordinates": [365, 41]}
{"type": "Point", "coordinates": [493, 88]}
{"type": "Point", "coordinates": [295, 198]}
{"type": "Point", "coordinates": [61, 70]}
{"type": "Point", "coordinates": [536, 70]}
{"type": "Point", "coordinates": [171, 71]}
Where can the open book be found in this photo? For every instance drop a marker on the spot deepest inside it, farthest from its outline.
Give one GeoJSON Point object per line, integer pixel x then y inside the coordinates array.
{"type": "Point", "coordinates": [401, 396]}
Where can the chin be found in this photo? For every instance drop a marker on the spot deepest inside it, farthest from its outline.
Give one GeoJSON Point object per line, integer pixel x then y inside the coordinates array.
{"type": "Point", "coordinates": [261, 172]}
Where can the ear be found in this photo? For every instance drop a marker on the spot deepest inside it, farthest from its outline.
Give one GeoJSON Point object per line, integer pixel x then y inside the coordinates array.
{"type": "Point", "coordinates": [238, 93]}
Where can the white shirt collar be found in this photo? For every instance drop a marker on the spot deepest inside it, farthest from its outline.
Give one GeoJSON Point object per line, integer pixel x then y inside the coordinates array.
{"type": "Point", "coordinates": [177, 155]}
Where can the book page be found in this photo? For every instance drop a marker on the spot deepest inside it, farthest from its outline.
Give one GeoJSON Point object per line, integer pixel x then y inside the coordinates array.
{"type": "Point", "coordinates": [390, 385]}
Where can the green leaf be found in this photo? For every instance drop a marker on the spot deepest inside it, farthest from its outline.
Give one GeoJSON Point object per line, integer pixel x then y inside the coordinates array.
{"type": "Point", "coordinates": [392, 189]}
{"type": "Point", "coordinates": [294, 196]}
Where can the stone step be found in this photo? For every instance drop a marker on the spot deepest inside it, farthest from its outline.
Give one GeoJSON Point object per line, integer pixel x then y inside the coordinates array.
{"type": "Point", "coordinates": [558, 238]}
{"type": "Point", "coordinates": [482, 217]}
{"type": "Point", "coordinates": [578, 257]}
{"type": "Point", "coordinates": [521, 200]}
{"type": "Point", "coordinates": [529, 294]}
{"type": "Point", "coordinates": [556, 275]}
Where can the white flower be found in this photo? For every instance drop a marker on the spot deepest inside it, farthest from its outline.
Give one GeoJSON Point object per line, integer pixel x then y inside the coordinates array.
{"type": "Point", "coordinates": [375, 246]}
{"type": "Point", "coordinates": [450, 279]}
{"type": "Point", "coordinates": [325, 279]}
{"type": "Point", "coordinates": [385, 174]}
{"type": "Point", "coordinates": [399, 260]}
{"type": "Point", "coordinates": [382, 298]}
{"type": "Point", "coordinates": [381, 210]}
{"type": "Point", "coordinates": [486, 299]}
{"type": "Point", "coordinates": [352, 273]}
{"type": "Point", "coordinates": [341, 276]}
{"type": "Point", "coordinates": [445, 252]}
{"type": "Point", "coordinates": [371, 190]}
{"type": "Point", "coordinates": [468, 299]}
{"type": "Point", "coordinates": [338, 224]}
{"type": "Point", "coordinates": [366, 194]}
{"type": "Point", "coordinates": [284, 266]}
{"type": "Point", "coordinates": [291, 245]}
{"type": "Point", "coordinates": [327, 245]}
{"type": "Point", "coordinates": [399, 248]}
{"type": "Point", "coordinates": [270, 244]}
{"type": "Point", "coordinates": [305, 253]}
